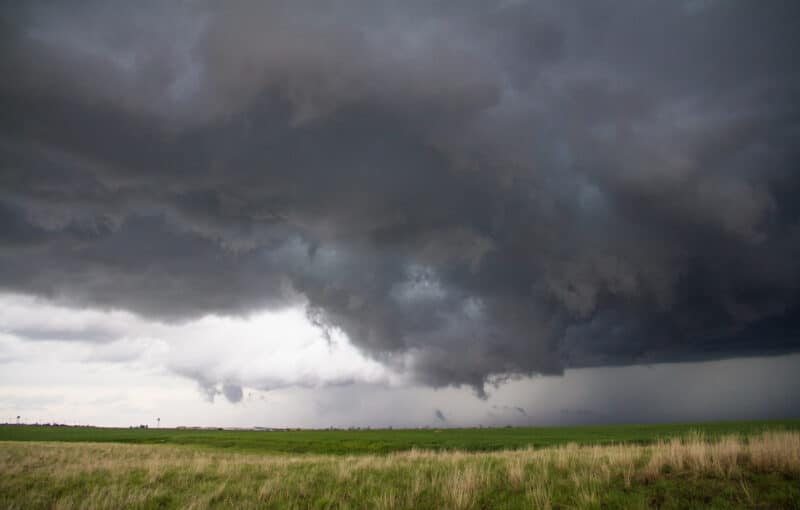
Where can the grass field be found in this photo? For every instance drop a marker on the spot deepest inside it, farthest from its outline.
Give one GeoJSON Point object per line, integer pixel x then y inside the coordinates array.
{"type": "Point", "coordinates": [387, 441]}
{"type": "Point", "coordinates": [732, 465]}
{"type": "Point", "coordinates": [763, 472]}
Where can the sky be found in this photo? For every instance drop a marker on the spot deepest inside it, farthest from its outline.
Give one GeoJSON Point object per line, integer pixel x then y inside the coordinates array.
{"type": "Point", "coordinates": [376, 213]}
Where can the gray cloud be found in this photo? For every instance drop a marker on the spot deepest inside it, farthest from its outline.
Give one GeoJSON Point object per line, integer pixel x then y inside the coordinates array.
{"type": "Point", "coordinates": [481, 189]}
{"type": "Point", "coordinates": [233, 392]}
{"type": "Point", "coordinates": [92, 335]}
{"type": "Point", "coordinates": [513, 409]}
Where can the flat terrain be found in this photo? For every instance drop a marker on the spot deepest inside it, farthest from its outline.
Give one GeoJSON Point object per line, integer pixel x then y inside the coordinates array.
{"type": "Point", "coordinates": [693, 472]}
{"type": "Point", "coordinates": [713, 465]}
{"type": "Point", "coordinates": [387, 441]}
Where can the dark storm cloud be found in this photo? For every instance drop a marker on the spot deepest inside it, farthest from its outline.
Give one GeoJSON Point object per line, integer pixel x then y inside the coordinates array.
{"type": "Point", "coordinates": [468, 189]}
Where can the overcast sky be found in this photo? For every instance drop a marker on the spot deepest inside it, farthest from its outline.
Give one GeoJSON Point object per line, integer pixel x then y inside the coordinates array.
{"type": "Point", "coordinates": [369, 212]}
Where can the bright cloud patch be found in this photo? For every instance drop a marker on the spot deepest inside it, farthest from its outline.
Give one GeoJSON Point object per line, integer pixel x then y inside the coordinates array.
{"type": "Point", "coordinates": [265, 350]}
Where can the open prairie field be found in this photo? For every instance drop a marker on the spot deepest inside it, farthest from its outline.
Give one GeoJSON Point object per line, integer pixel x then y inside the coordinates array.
{"type": "Point", "coordinates": [693, 472]}
{"type": "Point", "coordinates": [387, 441]}
{"type": "Point", "coordinates": [756, 467]}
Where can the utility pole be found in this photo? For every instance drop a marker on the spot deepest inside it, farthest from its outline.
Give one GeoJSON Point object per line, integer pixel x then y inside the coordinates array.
{"type": "Point", "coordinates": [158, 422]}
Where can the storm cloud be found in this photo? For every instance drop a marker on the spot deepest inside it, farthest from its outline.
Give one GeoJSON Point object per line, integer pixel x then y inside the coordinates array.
{"type": "Point", "coordinates": [470, 191]}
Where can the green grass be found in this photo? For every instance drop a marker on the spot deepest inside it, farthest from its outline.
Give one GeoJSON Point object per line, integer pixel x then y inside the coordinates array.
{"type": "Point", "coordinates": [762, 472]}
{"type": "Point", "coordinates": [387, 441]}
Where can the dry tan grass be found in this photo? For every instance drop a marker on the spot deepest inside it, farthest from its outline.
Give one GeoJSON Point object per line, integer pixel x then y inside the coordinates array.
{"type": "Point", "coordinates": [776, 451]}
{"type": "Point", "coordinates": [769, 452]}
{"type": "Point", "coordinates": [540, 492]}
{"type": "Point", "coordinates": [462, 485]}
{"type": "Point", "coordinates": [387, 500]}
{"type": "Point", "coordinates": [515, 468]}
